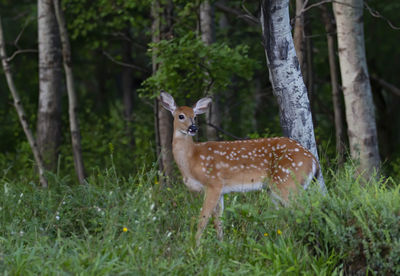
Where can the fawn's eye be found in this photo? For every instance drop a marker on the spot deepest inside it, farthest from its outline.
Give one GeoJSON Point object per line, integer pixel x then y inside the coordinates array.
{"type": "Point", "coordinates": [181, 117]}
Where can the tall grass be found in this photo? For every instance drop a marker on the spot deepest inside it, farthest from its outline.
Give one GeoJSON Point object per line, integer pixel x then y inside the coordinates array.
{"type": "Point", "coordinates": [118, 226]}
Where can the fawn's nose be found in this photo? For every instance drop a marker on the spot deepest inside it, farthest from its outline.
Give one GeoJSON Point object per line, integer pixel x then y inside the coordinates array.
{"type": "Point", "coordinates": [192, 129]}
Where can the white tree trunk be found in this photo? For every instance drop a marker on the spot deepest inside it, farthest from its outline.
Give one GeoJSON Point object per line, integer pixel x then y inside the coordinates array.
{"type": "Point", "coordinates": [356, 86]}
{"type": "Point", "coordinates": [20, 110]}
{"type": "Point", "coordinates": [72, 101]}
{"type": "Point", "coordinates": [285, 75]}
{"type": "Point", "coordinates": [50, 80]}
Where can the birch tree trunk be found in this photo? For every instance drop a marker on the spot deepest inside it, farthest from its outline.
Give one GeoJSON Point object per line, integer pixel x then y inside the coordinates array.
{"type": "Point", "coordinates": [163, 120]}
{"type": "Point", "coordinates": [336, 95]}
{"type": "Point", "coordinates": [50, 80]}
{"type": "Point", "coordinates": [285, 75]}
{"type": "Point", "coordinates": [356, 86]}
{"type": "Point", "coordinates": [73, 104]}
{"type": "Point", "coordinates": [213, 116]}
{"type": "Point", "coordinates": [20, 110]}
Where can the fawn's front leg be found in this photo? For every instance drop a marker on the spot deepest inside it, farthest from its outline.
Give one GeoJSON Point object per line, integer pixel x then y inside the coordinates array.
{"type": "Point", "coordinates": [217, 214]}
{"type": "Point", "coordinates": [211, 199]}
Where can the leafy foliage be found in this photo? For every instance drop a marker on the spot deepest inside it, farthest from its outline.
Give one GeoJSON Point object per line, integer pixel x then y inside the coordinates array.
{"type": "Point", "coordinates": [104, 19]}
{"type": "Point", "coordinates": [188, 67]}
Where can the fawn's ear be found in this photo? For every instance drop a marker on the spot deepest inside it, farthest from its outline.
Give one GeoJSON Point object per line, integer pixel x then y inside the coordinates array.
{"type": "Point", "coordinates": [201, 106]}
{"type": "Point", "coordinates": [167, 101]}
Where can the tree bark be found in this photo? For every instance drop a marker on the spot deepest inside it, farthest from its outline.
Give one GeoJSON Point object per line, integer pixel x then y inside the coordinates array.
{"type": "Point", "coordinates": [303, 46]}
{"type": "Point", "coordinates": [213, 116]}
{"type": "Point", "coordinates": [285, 75]}
{"type": "Point", "coordinates": [50, 80]}
{"type": "Point", "coordinates": [336, 95]}
{"type": "Point", "coordinates": [20, 110]}
{"type": "Point", "coordinates": [72, 100]}
{"type": "Point", "coordinates": [299, 34]}
{"type": "Point", "coordinates": [161, 16]}
{"type": "Point", "coordinates": [356, 86]}
{"type": "Point", "coordinates": [206, 22]}
{"type": "Point", "coordinates": [309, 75]}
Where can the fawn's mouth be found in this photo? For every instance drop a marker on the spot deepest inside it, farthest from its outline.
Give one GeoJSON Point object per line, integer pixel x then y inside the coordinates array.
{"type": "Point", "coordinates": [192, 130]}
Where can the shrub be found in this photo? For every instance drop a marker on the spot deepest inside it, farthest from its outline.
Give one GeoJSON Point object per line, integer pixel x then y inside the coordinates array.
{"type": "Point", "coordinates": [359, 221]}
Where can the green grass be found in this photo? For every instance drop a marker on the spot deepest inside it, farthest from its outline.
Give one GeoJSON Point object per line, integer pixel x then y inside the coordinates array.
{"type": "Point", "coordinates": [68, 230]}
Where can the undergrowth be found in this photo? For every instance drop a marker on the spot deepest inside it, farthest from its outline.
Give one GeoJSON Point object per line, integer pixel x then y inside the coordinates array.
{"type": "Point", "coordinates": [130, 225]}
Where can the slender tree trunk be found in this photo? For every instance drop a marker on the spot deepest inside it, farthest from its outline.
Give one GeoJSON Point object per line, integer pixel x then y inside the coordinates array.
{"type": "Point", "coordinates": [206, 22]}
{"type": "Point", "coordinates": [72, 100]}
{"type": "Point", "coordinates": [213, 116]}
{"type": "Point", "coordinates": [50, 81]}
{"type": "Point", "coordinates": [356, 86]}
{"type": "Point", "coordinates": [163, 120]}
{"type": "Point", "coordinates": [309, 75]}
{"type": "Point", "coordinates": [303, 46]}
{"type": "Point", "coordinates": [336, 95]}
{"type": "Point", "coordinates": [20, 110]}
{"type": "Point", "coordinates": [285, 75]}
{"type": "Point", "coordinates": [299, 34]}
{"type": "Point", "coordinates": [127, 83]}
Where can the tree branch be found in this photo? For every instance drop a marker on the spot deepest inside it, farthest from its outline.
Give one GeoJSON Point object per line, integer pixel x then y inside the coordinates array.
{"type": "Point", "coordinates": [226, 132]}
{"type": "Point", "coordinates": [376, 14]}
{"type": "Point", "coordinates": [386, 85]}
{"type": "Point", "coordinates": [133, 66]}
{"type": "Point", "coordinates": [22, 31]}
{"type": "Point", "coordinates": [373, 12]}
{"type": "Point", "coordinates": [20, 52]}
{"type": "Point", "coordinates": [245, 16]}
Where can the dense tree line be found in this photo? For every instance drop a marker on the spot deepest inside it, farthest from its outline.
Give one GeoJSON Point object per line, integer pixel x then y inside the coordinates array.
{"type": "Point", "coordinates": [336, 78]}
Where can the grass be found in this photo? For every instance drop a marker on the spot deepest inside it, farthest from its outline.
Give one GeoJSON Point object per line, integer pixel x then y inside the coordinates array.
{"type": "Point", "coordinates": [118, 226]}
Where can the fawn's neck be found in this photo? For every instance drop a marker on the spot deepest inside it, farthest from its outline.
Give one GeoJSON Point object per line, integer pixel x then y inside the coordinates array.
{"type": "Point", "coordinates": [182, 148]}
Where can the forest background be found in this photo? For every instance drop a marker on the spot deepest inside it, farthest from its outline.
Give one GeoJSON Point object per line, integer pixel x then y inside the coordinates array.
{"type": "Point", "coordinates": [123, 53]}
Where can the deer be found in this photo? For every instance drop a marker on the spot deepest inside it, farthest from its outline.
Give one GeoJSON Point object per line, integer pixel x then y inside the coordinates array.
{"type": "Point", "coordinates": [280, 164]}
